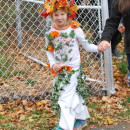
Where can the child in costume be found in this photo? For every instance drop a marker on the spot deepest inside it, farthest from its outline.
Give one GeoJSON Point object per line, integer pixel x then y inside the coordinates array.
{"type": "Point", "coordinates": [62, 44]}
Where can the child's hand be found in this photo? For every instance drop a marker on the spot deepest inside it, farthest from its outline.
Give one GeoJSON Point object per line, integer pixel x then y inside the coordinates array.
{"type": "Point", "coordinates": [56, 67]}
{"type": "Point", "coordinates": [121, 29]}
{"type": "Point", "coordinates": [103, 46]}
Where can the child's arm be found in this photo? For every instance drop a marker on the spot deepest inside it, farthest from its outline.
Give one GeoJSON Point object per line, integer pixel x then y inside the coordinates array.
{"type": "Point", "coordinates": [89, 46]}
{"type": "Point", "coordinates": [85, 42]}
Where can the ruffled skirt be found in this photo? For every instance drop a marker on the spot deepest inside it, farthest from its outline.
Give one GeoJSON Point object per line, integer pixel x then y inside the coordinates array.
{"type": "Point", "coordinates": [71, 105]}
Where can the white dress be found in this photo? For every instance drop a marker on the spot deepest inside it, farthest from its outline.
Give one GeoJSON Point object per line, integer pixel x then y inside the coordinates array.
{"type": "Point", "coordinates": [66, 52]}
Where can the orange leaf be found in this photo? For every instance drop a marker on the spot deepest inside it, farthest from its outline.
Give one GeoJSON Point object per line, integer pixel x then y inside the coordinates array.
{"type": "Point", "coordinates": [117, 75]}
{"type": "Point", "coordinates": [75, 24]}
{"type": "Point", "coordinates": [85, 68]}
{"type": "Point", "coordinates": [54, 34]}
{"type": "Point", "coordinates": [50, 48]}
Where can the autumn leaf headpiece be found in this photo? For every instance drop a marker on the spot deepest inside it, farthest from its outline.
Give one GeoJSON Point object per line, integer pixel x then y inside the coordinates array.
{"type": "Point", "coordinates": [51, 6]}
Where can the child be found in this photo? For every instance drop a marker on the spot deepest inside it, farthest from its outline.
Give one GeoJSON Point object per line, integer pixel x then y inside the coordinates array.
{"type": "Point", "coordinates": [62, 40]}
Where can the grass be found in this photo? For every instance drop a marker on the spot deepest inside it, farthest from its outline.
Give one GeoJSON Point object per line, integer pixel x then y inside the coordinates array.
{"type": "Point", "coordinates": [36, 120]}
{"type": "Point", "coordinates": [31, 81]}
{"type": "Point", "coordinates": [39, 117]}
{"type": "Point", "coordinates": [127, 101]}
{"type": "Point", "coordinates": [18, 72]}
{"type": "Point", "coordinates": [93, 105]}
{"type": "Point", "coordinates": [4, 67]}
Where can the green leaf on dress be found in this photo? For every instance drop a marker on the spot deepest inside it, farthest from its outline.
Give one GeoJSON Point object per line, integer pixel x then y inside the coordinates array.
{"type": "Point", "coordinates": [65, 58]}
{"type": "Point", "coordinates": [49, 37]}
{"type": "Point", "coordinates": [89, 41]}
{"type": "Point", "coordinates": [59, 46]}
{"type": "Point", "coordinates": [57, 59]}
{"type": "Point", "coordinates": [67, 43]}
{"type": "Point", "coordinates": [65, 35]}
{"type": "Point", "coordinates": [47, 28]}
{"type": "Point", "coordinates": [72, 34]}
{"type": "Point", "coordinates": [70, 50]}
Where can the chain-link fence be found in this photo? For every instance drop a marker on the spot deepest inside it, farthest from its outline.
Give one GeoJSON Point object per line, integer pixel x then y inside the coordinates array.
{"type": "Point", "coordinates": [23, 74]}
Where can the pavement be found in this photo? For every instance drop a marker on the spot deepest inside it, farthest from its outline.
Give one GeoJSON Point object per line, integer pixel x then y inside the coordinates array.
{"type": "Point", "coordinates": [121, 126]}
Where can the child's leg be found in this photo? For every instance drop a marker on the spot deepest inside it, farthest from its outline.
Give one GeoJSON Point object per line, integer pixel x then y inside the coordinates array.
{"type": "Point", "coordinates": [71, 105]}
{"type": "Point", "coordinates": [67, 119]}
{"type": "Point", "coordinates": [82, 114]}
{"type": "Point", "coordinates": [68, 115]}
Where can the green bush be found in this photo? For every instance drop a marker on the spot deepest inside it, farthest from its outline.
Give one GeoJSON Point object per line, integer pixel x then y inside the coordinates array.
{"type": "Point", "coordinates": [123, 67]}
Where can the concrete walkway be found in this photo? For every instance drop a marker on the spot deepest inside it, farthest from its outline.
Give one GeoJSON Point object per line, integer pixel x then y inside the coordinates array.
{"type": "Point", "coordinates": [121, 126]}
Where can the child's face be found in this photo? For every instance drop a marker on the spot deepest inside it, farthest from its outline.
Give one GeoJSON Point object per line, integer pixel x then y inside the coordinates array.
{"type": "Point", "coordinates": [60, 18]}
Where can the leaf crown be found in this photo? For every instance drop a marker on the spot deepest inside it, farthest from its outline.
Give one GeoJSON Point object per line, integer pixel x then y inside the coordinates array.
{"type": "Point", "coordinates": [51, 6]}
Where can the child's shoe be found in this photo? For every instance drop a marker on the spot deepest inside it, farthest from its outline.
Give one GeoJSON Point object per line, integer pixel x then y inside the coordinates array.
{"type": "Point", "coordinates": [79, 124]}
{"type": "Point", "coordinates": [58, 128]}
{"type": "Point", "coordinates": [128, 78]}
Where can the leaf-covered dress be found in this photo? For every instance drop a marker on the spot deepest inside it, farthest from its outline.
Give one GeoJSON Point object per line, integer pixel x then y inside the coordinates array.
{"type": "Point", "coordinates": [63, 49]}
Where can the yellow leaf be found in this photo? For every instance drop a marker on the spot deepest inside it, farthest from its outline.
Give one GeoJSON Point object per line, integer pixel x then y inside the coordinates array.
{"type": "Point", "coordinates": [110, 121]}
{"type": "Point", "coordinates": [2, 113]}
{"type": "Point", "coordinates": [117, 75]}
{"type": "Point", "coordinates": [43, 102]}
{"type": "Point", "coordinates": [99, 117]}
{"type": "Point", "coordinates": [1, 107]}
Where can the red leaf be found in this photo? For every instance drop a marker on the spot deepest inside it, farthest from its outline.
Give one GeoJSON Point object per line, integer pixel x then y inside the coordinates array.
{"type": "Point", "coordinates": [44, 14]}
{"type": "Point", "coordinates": [72, 2]}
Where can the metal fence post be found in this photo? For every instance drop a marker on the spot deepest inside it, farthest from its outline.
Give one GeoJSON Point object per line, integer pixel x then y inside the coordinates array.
{"type": "Point", "coordinates": [18, 23]}
{"type": "Point", "coordinates": [107, 54]}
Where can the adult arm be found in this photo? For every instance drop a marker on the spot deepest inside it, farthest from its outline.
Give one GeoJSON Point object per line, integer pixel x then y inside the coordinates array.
{"type": "Point", "coordinates": [112, 23]}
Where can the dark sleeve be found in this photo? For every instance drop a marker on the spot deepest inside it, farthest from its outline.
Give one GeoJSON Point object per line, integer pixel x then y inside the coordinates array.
{"type": "Point", "coordinates": [109, 6]}
{"type": "Point", "coordinates": [112, 24]}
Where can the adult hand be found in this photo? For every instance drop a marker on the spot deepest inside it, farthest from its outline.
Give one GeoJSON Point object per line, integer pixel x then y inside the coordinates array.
{"type": "Point", "coordinates": [56, 67]}
{"type": "Point", "coordinates": [103, 45]}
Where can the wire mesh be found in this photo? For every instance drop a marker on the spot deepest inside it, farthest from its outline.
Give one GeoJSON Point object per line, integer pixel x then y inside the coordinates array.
{"type": "Point", "coordinates": [22, 36]}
